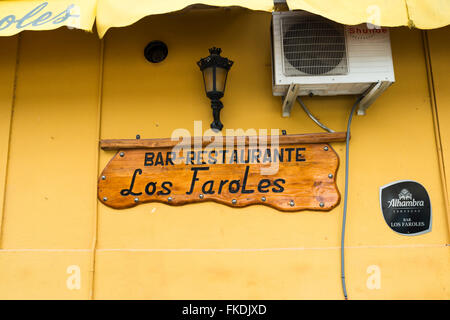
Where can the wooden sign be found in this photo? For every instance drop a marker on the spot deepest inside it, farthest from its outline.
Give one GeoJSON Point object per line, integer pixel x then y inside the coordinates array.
{"type": "Point", "coordinates": [291, 176]}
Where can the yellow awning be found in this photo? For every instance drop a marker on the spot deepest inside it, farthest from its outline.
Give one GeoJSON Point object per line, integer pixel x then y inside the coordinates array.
{"type": "Point", "coordinates": [422, 14]}
{"type": "Point", "coordinates": [120, 13]}
{"type": "Point", "coordinates": [19, 15]}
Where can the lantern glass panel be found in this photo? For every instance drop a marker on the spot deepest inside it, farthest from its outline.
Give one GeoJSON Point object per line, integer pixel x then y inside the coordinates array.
{"type": "Point", "coordinates": [221, 78]}
{"type": "Point", "coordinates": [208, 77]}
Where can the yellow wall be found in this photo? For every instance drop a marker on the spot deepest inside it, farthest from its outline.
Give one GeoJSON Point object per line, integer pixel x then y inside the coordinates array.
{"type": "Point", "coordinates": [72, 90]}
{"type": "Point", "coordinates": [440, 98]}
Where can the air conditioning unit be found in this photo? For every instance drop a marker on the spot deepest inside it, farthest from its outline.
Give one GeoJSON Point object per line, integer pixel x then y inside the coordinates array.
{"type": "Point", "coordinates": [316, 56]}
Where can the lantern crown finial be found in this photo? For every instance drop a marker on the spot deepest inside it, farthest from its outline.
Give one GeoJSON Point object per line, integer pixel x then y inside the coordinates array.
{"type": "Point", "coordinates": [215, 59]}
{"type": "Point", "coordinates": [215, 50]}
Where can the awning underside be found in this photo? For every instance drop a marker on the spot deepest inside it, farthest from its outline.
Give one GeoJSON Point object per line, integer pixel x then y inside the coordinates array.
{"type": "Point", "coordinates": [19, 15]}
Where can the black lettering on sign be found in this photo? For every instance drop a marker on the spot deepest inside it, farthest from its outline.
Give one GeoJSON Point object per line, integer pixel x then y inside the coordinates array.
{"type": "Point", "coordinates": [237, 156]}
{"type": "Point", "coordinates": [234, 186]}
{"type": "Point", "coordinates": [278, 155]}
{"type": "Point", "coordinates": [159, 159]}
{"type": "Point", "coordinates": [170, 156]}
{"type": "Point", "coordinates": [244, 182]}
{"type": "Point", "coordinates": [289, 150]}
{"type": "Point", "coordinates": [208, 186]}
{"type": "Point", "coordinates": [190, 157]}
{"type": "Point", "coordinates": [245, 158]}
{"type": "Point", "coordinates": [263, 185]}
{"type": "Point", "coordinates": [129, 191]}
{"type": "Point", "coordinates": [255, 156]}
{"type": "Point", "coordinates": [149, 158]}
{"type": "Point", "coordinates": [212, 157]}
{"type": "Point", "coordinates": [165, 186]}
{"type": "Point", "coordinates": [278, 188]}
{"type": "Point", "coordinates": [267, 156]}
{"type": "Point", "coordinates": [194, 177]}
{"type": "Point", "coordinates": [200, 157]}
{"type": "Point", "coordinates": [235, 176]}
{"type": "Point", "coordinates": [153, 188]}
{"type": "Point", "coordinates": [234, 157]}
{"type": "Point", "coordinates": [298, 156]}
{"type": "Point", "coordinates": [222, 184]}
{"type": "Point", "coordinates": [224, 153]}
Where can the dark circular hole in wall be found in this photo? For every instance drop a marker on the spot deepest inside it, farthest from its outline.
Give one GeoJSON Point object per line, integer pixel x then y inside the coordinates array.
{"type": "Point", "coordinates": [156, 51]}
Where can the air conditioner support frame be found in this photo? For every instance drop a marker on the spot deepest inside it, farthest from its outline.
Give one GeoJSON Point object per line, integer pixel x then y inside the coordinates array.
{"type": "Point", "coordinates": [371, 95]}
{"type": "Point", "coordinates": [289, 99]}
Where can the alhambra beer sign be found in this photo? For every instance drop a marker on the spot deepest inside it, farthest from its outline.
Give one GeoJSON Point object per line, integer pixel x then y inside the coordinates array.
{"type": "Point", "coordinates": [296, 173]}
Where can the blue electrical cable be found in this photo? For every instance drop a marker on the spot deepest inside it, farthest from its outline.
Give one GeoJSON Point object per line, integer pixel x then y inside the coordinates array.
{"type": "Point", "coordinates": [344, 217]}
{"type": "Point", "coordinates": [347, 151]}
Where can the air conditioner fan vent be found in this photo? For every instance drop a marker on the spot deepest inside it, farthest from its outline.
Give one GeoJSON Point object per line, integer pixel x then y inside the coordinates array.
{"type": "Point", "coordinates": [313, 45]}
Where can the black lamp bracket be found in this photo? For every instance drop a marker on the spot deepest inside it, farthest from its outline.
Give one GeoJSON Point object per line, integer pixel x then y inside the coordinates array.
{"type": "Point", "coordinates": [216, 106]}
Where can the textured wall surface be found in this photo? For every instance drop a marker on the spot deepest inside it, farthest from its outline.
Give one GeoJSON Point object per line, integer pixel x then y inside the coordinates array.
{"type": "Point", "coordinates": [61, 91]}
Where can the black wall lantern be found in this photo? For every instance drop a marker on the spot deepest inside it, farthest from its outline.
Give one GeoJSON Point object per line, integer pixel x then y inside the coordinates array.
{"type": "Point", "coordinates": [215, 70]}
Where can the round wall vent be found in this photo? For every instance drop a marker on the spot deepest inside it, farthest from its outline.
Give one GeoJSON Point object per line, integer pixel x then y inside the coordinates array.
{"type": "Point", "coordinates": [156, 51]}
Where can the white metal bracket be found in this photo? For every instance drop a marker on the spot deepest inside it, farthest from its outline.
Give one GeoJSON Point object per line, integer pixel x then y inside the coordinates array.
{"type": "Point", "coordinates": [280, 5]}
{"type": "Point", "coordinates": [372, 94]}
{"type": "Point", "coordinates": [289, 99]}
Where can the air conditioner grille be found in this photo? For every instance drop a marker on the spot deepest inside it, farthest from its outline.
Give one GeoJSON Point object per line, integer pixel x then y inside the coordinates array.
{"type": "Point", "coordinates": [313, 45]}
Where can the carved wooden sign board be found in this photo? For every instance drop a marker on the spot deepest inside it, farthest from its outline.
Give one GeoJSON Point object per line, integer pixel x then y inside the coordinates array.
{"type": "Point", "coordinates": [296, 174]}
